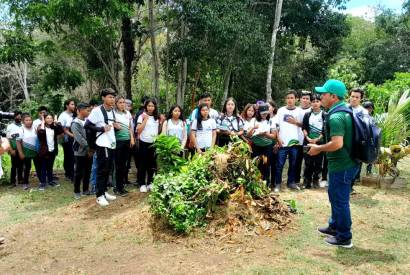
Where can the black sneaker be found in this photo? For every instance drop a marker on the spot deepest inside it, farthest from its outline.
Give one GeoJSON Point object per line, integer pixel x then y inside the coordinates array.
{"type": "Point", "coordinates": [342, 243]}
{"type": "Point", "coordinates": [293, 186]}
{"type": "Point", "coordinates": [327, 231]}
{"type": "Point", "coordinates": [122, 193]}
{"type": "Point", "coordinates": [54, 184]}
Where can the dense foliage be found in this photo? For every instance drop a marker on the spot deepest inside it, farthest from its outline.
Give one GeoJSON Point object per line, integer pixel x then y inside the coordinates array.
{"type": "Point", "coordinates": [184, 195]}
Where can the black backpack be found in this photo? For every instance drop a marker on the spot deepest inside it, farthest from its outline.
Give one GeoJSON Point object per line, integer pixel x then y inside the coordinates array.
{"type": "Point", "coordinates": [91, 133]}
{"type": "Point", "coordinates": [366, 135]}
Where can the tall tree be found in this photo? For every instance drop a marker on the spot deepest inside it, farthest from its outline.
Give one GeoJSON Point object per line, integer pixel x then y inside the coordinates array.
{"type": "Point", "coordinates": [278, 14]}
{"type": "Point", "coordinates": [154, 50]}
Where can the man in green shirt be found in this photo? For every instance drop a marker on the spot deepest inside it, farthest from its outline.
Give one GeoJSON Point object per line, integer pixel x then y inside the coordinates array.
{"type": "Point", "coordinates": [342, 168]}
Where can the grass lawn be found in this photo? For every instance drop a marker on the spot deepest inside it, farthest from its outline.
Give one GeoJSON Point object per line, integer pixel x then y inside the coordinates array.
{"type": "Point", "coordinates": [52, 233]}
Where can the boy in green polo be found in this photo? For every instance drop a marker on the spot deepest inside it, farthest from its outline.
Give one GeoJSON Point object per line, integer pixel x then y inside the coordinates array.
{"type": "Point", "coordinates": [342, 167]}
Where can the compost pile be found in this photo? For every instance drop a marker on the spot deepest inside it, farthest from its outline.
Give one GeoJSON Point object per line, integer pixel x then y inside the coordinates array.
{"type": "Point", "coordinates": [221, 188]}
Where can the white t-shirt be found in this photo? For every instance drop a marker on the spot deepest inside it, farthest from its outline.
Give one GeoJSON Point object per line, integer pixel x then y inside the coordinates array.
{"type": "Point", "coordinates": [176, 130]}
{"type": "Point", "coordinates": [248, 124]}
{"type": "Point", "coordinates": [106, 139]}
{"type": "Point", "coordinates": [28, 138]}
{"type": "Point", "coordinates": [36, 123]}
{"type": "Point", "coordinates": [12, 129]}
{"type": "Point", "coordinates": [290, 133]}
{"type": "Point", "coordinates": [150, 132]}
{"type": "Point", "coordinates": [316, 124]}
{"type": "Point", "coordinates": [50, 139]}
{"type": "Point", "coordinates": [65, 119]}
{"type": "Point", "coordinates": [204, 135]}
{"type": "Point", "coordinates": [274, 122]}
{"type": "Point", "coordinates": [212, 114]}
{"type": "Point", "coordinates": [304, 111]}
{"type": "Point", "coordinates": [360, 109]}
{"type": "Point", "coordinates": [263, 126]}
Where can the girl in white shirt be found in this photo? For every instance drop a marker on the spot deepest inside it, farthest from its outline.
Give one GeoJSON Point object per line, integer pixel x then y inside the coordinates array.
{"type": "Point", "coordinates": [263, 136]}
{"type": "Point", "coordinates": [203, 130]}
{"type": "Point", "coordinates": [27, 143]}
{"type": "Point", "coordinates": [47, 133]}
{"type": "Point", "coordinates": [175, 125]}
{"type": "Point", "coordinates": [124, 139]}
{"type": "Point", "coordinates": [148, 124]}
{"type": "Point", "coordinates": [248, 114]}
{"type": "Point", "coordinates": [229, 123]}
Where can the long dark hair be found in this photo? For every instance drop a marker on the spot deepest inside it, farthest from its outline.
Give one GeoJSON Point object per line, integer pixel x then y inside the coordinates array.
{"type": "Point", "coordinates": [245, 110]}
{"type": "Point", "coordinates": [181, 117]}
{"type": "Point", "coordinates": [199, 116]}
{"type": "Point", "coordinates": [235, 110]}
{"type": "Point", "coordinates": [274, 106]}
{"type": "Point", "coordinates": [155, 114]}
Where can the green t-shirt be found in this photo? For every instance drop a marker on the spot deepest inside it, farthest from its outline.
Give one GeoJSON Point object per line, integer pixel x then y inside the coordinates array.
{"type": "Point", "coordinates": [124, 119]}
{"type": "Point", "coordinates": [340, 124]}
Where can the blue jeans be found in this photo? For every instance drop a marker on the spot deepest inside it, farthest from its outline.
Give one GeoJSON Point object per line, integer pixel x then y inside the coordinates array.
{"type": "Point", "coordinates": [282, 155]}
{"type": "Point", "coordinates": [339, 197]}
{"type": "Point", "coordinates": [93, 179]}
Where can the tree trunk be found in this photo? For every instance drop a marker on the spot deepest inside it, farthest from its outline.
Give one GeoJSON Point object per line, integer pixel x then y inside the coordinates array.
{"type": "Point", "coordinates": [181, 86]}
{"type": "Point", "coordinates": [21, 73]}
{"type": "Point", "coordinates": [128, 53]}
{"type": "Point", "coordinates": [227, 81]}
{"type": "Point", "coordinates": [278, 12]}
{"type": "Point", "coordinates": [154, 50]}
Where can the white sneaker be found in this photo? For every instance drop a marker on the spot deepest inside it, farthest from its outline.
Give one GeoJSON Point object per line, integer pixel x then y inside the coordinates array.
{"type": "Point", "coordinates": [149, 187]}
{"type": "Point", "coordinates": [323, 184]}
{"type": "Point", "coordinates": [143, 189]}
{"type": "Point", "coordinates": [109, 197]}
{"type": "Point", "coordinates": [102, 201]}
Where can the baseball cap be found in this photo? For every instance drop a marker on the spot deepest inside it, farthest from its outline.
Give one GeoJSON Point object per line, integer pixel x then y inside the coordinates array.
{"type": "Point", "coordinates": [263, 108]}
{"type": "Point", "coordinates": [333, 86]}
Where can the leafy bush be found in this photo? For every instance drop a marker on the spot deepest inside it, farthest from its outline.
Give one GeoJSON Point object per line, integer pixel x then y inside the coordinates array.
{"type": "Point", "coordinates": [169, 151]}
{"type": "Point", "coordinates": [185, 195]}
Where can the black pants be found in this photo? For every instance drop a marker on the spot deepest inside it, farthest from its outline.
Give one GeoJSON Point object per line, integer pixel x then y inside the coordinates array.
{"type": "Point", "coordinates": [121, 158]}
{"type": "Point", "coordinates": [298, 165]}
{"type": "Point", "coordinates": [131, 154]}
{"type": "Point", "coordinates": [147, 164]}
{"type": "Point", "coordinates": [223, 140]}
{"type": "Point", "coordinates": [46, 167]}
{"type": "Point", "coordinates": [357, 177]}
{"type": "Point", "coordinates": [68, 158]}
{"type": "Point", "coordinates": [263, 167]}
{"type": "Point", "coordinates": [37, 167]}
{"type": "Point", "coordinates": [16, 169]}
{"type": "Point", "coordinates": [273, 163]}
{"type": "Point", "coordinates": [313, 168]}
{"type": "Point", "coordinates": [105, 158]}
{"type": "Point", "coordinates": [27, 169]}
{"type": "Point", "coordinates": [82, 172]}
{"type": "Point", "coordinates": [324, 170]}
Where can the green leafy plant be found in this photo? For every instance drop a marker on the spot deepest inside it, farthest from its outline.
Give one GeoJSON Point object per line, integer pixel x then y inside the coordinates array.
{"type": "Point", "coordinates": [169, 152]}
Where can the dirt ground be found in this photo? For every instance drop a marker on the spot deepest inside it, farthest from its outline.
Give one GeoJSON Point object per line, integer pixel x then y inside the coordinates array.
{"type": "Point", "coordinates": [62, 236]}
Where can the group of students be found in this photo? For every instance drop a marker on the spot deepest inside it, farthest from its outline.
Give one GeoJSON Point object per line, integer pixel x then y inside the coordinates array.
{"type": "Point", "coordinates": [274, 135]}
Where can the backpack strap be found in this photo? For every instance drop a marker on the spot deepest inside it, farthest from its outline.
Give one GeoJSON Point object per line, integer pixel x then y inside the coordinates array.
{"type": "Point", "coordinates": [104, 113]}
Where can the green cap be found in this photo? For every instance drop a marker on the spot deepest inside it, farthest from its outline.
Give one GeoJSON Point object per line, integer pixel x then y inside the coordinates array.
{"type": "Point", "coordinates": [333, 86]}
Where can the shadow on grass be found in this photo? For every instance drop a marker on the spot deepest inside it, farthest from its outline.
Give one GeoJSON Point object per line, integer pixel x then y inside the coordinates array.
{"type": "Point", "coordinates": [357, 256]}
{"type": "Point", "coordinates": [364, 200]}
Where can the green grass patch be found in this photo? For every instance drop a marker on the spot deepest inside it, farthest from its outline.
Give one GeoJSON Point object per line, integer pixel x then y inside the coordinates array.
{"type": "Point", "coordinates": [18, 205]}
